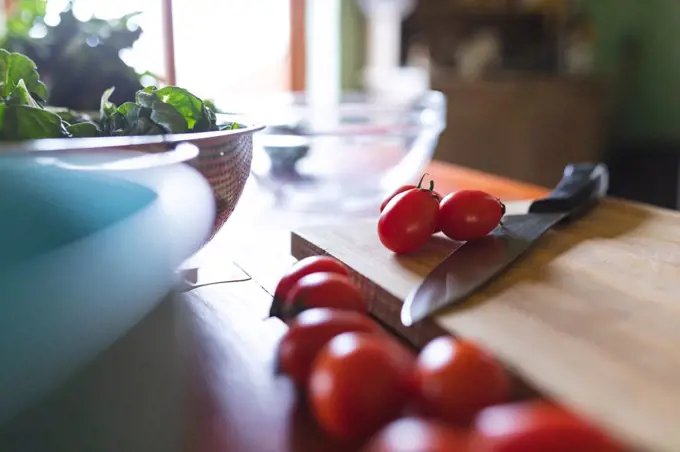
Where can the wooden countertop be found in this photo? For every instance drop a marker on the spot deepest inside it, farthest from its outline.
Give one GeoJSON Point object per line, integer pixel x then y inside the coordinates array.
{"type": "Point", "coordinates": [243, 405]}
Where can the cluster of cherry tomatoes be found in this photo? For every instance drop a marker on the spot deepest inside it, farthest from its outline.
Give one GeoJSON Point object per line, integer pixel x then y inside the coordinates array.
{"type": "Point", "coordinates": [412, 213]}
{"type": "Point", "coordinates": [362, 385]}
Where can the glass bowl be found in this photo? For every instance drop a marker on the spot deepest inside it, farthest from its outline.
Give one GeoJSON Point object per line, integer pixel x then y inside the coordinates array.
{"type": "Point", "coordinates": [344, 156]}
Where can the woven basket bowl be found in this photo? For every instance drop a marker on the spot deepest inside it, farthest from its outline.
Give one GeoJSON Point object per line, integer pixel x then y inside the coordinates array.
{"type": "Point", "coordinates": [224, 158]}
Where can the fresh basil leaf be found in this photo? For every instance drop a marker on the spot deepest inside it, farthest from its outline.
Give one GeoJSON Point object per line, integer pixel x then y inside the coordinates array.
{"type": "Point", "coordinates": [106, 108]}
{"type": "Point", "coordinates": [129, 109]}
{"type": "Point", "coordinates": [21, 96]}
{"type": "Point", "coordinates": [118, 123]}
{"type": "Point", "coordinates": [15, 67]}
{"type": "Point", "coordinates": [2, 116]}
{"type": "Point", "coordinates": [22, 122]}
{"type": "Point", "coordinates": [230, 126]}
{"type": "Point", "coordinates": [206, 122]}
{"type": "Point", "coordinates": [189, 106]}
{"type": "Point", "coordinates": [131, 119]}
{"type": "Point", "coordinates": [83, 129]}
{"type": "Point", "coordinates": [68, 115]}
{"type": "Point", "coordinates": [145, 99]}
{"type": "Point", "coordinates": [40, 91]}
{"type": "Point", "coordinates": [166, 116]}
{"type": "Point", "coordinates": [145, 126]}
{"type": "Point", "coordinates": [211, 105]}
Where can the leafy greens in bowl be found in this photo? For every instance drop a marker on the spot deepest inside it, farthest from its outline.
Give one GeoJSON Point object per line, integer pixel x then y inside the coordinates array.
{"type": "Point", "coordinates": [25, 115]}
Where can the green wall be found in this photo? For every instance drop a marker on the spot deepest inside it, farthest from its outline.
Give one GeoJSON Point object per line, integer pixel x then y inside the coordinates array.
{"type": "Point", "coordinates": [647, 82]}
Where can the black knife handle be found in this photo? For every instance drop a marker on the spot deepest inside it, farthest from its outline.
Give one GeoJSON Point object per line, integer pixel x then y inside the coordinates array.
{"type": "Point", "coordinates": [582, 185]}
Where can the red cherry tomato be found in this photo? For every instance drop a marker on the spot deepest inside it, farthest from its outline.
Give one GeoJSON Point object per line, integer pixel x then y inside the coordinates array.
{"type": "Point", "coordinates": [469, 214]}
{"type": "Point", "coordinates": [413, 434]}
{"type": "Point", "coordinates": [359, 382]}
{"type": "Point", "coordinates": [310, 331]}
{"type": "Point", "coordinates": [408, 221]}
{"type": "Point", "coordinates": [303, 267]}
{"type": "Point", "coordinates": [323, 290]}
{"type": "Point", "coordinates": [536, 427]}
{"type": "Point", "coordinates": [455, 379]}
{"type": "Point", "coordinates": [402, 189]}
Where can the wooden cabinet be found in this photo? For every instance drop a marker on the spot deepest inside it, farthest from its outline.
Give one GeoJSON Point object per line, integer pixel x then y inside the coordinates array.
{"type": "Point", "coordinates": [525, 128]}
{"type": "Point", "coordinates": [521, 112]}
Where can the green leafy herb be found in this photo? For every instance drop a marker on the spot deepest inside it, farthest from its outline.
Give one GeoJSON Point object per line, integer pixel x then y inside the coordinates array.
{"type": "Point", "coordinates": [132, 119]}
{"type": "Point", "coordinates": [159, 111]}
{"type": "Point", "coordinates": [83, 129]}
{"type": "Point", "coordinates": [21, 96]}
{"type": "Point", "coordinates": [68, 115]}
{"type": "Point", "coordinates": [156, 111]}
{"type": "Point", "coordinates": [15, 67]}
{"type": "Point", "coordinates": [106, 108]}
{"type": "Point", "coordinates": [189, 106]}
{"type": "Point", "coordinates": [231, 126]}
{"type": "Point", "coordinates": [22, 116]}
{"type": "Point", "coordinates": [22, 122]}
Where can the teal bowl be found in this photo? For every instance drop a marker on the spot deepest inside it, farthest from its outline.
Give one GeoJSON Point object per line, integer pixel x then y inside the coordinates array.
{"type": "Point", "coordinates": [90, 243]}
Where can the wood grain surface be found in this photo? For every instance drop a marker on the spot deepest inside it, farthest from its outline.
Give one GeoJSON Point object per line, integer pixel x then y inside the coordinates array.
{"type": "Point", "coordinates": [589, 317]}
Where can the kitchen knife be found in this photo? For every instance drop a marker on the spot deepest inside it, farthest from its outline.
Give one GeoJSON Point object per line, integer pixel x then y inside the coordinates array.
{"type": "Point", "coordinates": [478, 261]}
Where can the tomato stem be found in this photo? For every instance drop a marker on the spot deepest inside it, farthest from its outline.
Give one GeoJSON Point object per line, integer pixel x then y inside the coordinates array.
{"type": "Point", "coordinates": [431, 185]}
{"type": "Point", "coordinates": [420, 182]}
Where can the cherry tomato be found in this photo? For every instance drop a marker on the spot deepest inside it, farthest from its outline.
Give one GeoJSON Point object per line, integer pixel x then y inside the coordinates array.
{"type": "Point", "coordinates": [469, 214]}
{"type": "Point", "coordinates": [456, 379]}
{"type": "Point", "coordinates": [408, 221]}
{"type": "Point", "coordinates": [412, 434]}
{"type": "Point", "coordinates": [402, 189]}
{"type": "Point", "coordinates": [310, 331]}
{"type": "Point", "coordinates": [536, 427]}
{"type": "Point", "coordinates": [323, 290]}
{"type": "Point", "coordinates": [359, 382]}
{"type": "Point", "coordinates": [303, 267]}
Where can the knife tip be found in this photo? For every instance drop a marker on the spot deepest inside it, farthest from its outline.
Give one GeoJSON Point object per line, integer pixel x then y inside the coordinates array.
{"type": "Point", "coordinates": [406, 318]}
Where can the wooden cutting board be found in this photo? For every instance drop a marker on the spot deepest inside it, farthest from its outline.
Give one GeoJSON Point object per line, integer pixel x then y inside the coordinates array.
{"type": "Point", "coordinates": [590, 317]}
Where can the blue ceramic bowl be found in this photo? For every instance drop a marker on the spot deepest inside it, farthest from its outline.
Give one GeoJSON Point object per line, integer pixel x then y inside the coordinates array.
{"type": "Point", "coordinates": [89, 244]}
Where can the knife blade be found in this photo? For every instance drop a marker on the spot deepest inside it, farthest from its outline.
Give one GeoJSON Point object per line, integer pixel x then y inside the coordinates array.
{"type": "Point", "coordinates": [478, 262]}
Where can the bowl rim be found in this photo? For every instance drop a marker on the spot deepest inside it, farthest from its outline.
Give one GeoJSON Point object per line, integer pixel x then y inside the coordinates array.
{"type": "Point", "coordinates": [146, 142]}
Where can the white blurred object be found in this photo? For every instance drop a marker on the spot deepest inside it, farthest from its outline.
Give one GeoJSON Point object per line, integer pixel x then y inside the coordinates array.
{"type": "Point", "coordinates": [384, 23]}
{"type": "Point", "coordinates": [397, 85]}
{"type": "Point", "coordinates": [481, 53]}
{"type": "Point", "coordinates": [579, 58]}
{"type": "Point", "coordinates": [383, 76]}
{"type": "Point", "coordinates": [66, 300]}
{"type": "Point", "coordinates": [323, 56]}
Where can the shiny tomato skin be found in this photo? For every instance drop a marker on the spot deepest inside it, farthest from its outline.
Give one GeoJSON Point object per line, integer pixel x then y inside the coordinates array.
{"type": "Point", "coordinates": [536, 426]}
{"type": "Point", "coordinates": [469, 214]}
{"type": "Point", "coordinates": [359, 382]}
{"type": "Point", "coordinates": [402, 189]}
{"type": "Point", "coordinates": [310, 332]}
{"type": "Point", "coordinates": [323, 290]}
{"type": "Point", "coordinates": [304, 267]}
{"type": "Point", "coordinates": [455, 379]}
{"type": "Point", "coordinates": [389, 197]}
{"type": "Point", "coordinates": [408, 221]}
{"type": "Point", "coordinates": [411, 434]}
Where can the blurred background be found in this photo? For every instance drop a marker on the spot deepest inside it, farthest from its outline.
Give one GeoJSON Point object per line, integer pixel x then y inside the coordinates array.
{"type": "Point", "coordinates": [530, 85]}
